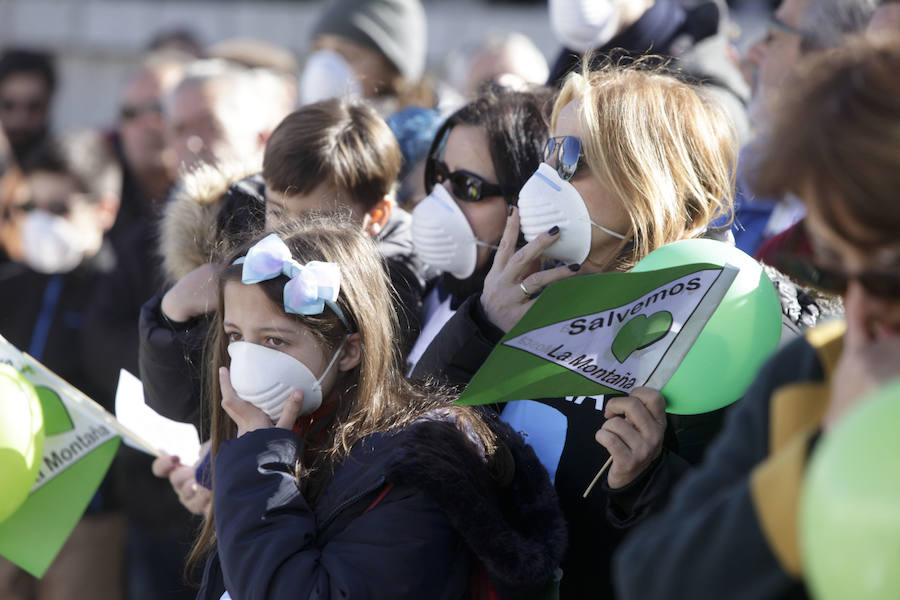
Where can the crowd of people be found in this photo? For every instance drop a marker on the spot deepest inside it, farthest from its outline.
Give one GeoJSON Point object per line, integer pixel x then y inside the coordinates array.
{"type": "Point", "coordinates": [310, 261]}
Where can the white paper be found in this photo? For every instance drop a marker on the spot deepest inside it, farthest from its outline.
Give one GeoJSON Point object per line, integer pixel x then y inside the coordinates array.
{"type": "Point", "coordinates": [172, 437]}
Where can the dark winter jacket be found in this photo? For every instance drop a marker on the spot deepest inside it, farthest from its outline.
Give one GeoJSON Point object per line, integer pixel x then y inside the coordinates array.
{"type": "Point", "coordinates": [564, 429]}
{"type": "Point", "coordinates": [206, 211]}
{"type": "Point", "coordinates": [406, 515]}
{"type": "Point", "coordinates": [730, 531]}
{"type": "Point", "coordinates": [697, 41]}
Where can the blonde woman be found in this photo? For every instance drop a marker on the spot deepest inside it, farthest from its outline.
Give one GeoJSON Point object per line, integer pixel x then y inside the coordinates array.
{"type": "Point", "coordinates": [648, 160]}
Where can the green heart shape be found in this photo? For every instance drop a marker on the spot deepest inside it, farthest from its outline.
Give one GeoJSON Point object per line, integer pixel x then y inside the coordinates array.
{"type": "Point", "coordinates": [640, 332]}
{"type": "Point", "coordinates": [56, 417]}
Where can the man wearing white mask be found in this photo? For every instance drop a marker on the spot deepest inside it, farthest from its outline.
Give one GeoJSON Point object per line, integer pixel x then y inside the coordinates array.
{"type": "Point", "coordinates": [695, 39]}
{"type": "Point", "coordinates": [72, 199]}
{"type": "Point", "coordinates": [374, 49]}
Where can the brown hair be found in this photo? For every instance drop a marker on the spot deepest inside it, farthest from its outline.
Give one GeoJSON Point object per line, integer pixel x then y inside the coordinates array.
{"type": "Point", "coordinates": [664, 149]}
{"type": "Point", "coordinates": [372, 397]}
{"type": "Point", "coordinates": [341, 142]}
{"type": "Point", "coordinates": [836, 140]}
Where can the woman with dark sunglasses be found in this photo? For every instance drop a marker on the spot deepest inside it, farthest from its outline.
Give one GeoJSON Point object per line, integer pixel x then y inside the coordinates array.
{"type": "Point", "coordinates": [730, 528]}
{"type": "Point", "coordinates": [637, 159]}
{"type": "Point", "coordinates": [479, 159]}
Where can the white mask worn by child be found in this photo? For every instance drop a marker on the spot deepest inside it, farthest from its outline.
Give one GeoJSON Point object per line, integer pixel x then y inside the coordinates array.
{"type": "Point", "coordinates": [327, 75]}
{"type": "Point", "coordinates": [442, 235]}
{"type": "Point", "coordinates": [265, 378]}
{"type": "Point", "coordinates": [546, 200]}
{"type": "Point", "coordinates": [50, 243]}
{"type": "Point", "coordinates": [583, 25]}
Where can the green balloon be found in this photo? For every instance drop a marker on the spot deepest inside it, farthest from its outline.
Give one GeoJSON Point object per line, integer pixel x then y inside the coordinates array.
{"type": "Point", "coordinates": [742, 332]}
{"type": "Point", "coordinates": [849, 521]}
{"type": "Point", "coordinates": [21, 439]}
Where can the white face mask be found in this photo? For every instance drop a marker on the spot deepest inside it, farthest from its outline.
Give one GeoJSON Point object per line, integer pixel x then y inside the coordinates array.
{"type": "Point", "coordinates": [265, 378]}
{"type": "Point", "coordinates": [582, 25]}
{"type": "Point", "coordinates": [50, 243]}
{"type": "Point", "coordinates": [327, 75]}
{"type": "Point", "coordinates": [442, 235]}
{"type": "Point", "coordinates": [546, 200]}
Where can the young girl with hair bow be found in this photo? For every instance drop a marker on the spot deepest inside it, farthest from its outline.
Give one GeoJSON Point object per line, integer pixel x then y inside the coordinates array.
{"type": "Point", "coordinates": [332, 475]}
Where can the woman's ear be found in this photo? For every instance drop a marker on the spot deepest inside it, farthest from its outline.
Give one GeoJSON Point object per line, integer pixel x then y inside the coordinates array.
{"type": "Point", "coordinates": [378, 216]}
{"type": "Point", "coordinates": [351, 355]}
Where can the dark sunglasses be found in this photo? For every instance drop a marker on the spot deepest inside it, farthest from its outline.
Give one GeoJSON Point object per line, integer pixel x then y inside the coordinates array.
{"type": "Point", "coordinates": [30, 106]}
{"type": "Point", "coordinates": [884, 284]}
{"type": "Point", "coordinates": [566, 150]}
{"type": "Point", "coordinates": [466, 186]}
{"type": "Point", "coordinates": [130, 112]}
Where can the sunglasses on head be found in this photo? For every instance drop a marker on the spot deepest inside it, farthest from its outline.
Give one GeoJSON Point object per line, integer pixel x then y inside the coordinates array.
{"type": "Point", "coordinates": [466, 186]}
{"type": "Point", "coordinates": [566, 150]}
{"type": "Point", "coordinates": [884, 284]}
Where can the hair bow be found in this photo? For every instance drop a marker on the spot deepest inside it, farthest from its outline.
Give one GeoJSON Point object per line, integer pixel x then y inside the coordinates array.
{"type": "Point", "coordinates": [311, 286]}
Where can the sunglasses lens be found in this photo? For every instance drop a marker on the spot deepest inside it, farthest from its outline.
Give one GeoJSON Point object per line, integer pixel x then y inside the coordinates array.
{"type": "Point", "coordinates": [568, 162]}
{"type": "Point", "coordinates": [885, 285]}
{"type": "Point", "coordinates": [549, 149]}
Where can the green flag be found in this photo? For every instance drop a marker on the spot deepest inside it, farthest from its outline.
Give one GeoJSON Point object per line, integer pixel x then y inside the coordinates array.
{"type": "Point", "coordinates": [80, 442]}
{"type": "Point", "coordinates": [602, 334]}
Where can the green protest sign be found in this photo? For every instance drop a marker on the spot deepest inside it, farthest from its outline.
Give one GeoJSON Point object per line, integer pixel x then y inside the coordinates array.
{"type": "Point", "coordinates": [79, 443]}
{"type": "Point", "coordinates": [602, 334]}
{"type": "Point", "coordinates": [694, 319]}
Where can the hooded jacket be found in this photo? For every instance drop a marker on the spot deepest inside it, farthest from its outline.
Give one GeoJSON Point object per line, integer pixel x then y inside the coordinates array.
{"type": "Point", "coordinates": [213, 206]}
{"type": "Point", "coordinates": [407, 514]}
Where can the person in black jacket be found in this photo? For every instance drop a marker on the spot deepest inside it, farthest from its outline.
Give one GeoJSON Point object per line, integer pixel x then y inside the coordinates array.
{"type": "Point", "coordinates": [731, 529]}
{"type": "Point", "coordinates": [643, 182]}
{"type": "Point", "coordinates": [692, 37]}
{"type": "Point", "coordinates": [335, 478]}
{"type": "Point", "coordinates": [478, 160]}
{"type": "Point", "coordinates": [72, 189]}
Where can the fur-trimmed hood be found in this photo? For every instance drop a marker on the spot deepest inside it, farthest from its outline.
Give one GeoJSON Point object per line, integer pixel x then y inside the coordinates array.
{"type": "Point", "coordinates": [210, 204]}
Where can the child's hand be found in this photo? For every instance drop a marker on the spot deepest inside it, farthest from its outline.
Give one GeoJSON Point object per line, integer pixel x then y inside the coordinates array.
{"type": "Point", "coordinates": [193, 496]}
{"type": "Point", "coordinates": [250, 418]}
{"type": "Point", "coordinates": [194, 294]}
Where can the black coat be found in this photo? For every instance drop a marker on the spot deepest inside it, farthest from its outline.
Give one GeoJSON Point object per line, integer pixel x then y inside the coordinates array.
{"type": "Point", "coordinates": [406, 515]}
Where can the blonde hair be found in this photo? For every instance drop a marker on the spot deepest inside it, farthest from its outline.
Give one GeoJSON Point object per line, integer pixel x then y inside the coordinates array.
{"type": "Point", "coordinates": [664, 149]}
{"type": "Point", "coordinates": [372, 397]}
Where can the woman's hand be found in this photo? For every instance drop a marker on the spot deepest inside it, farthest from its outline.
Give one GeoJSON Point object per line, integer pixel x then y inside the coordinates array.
{"type": "Point", "coordinates": [514, 272]}
{"type": "Point", "coordinates": [193, 295]}
{"type": "Point", "coordinates": [193, 496]}
{"type": "Point", "coordinates": [633, 434]}
{"type": "Point", "coordinates": [250, 418]}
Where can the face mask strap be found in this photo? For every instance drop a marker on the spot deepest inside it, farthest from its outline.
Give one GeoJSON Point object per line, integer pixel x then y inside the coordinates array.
{"type": "Point", "coordinates": [486, 245]}
{"type": "Point", "coordinates": [608, 231]}
{"type": "Point", "coordinates": [334, 358]}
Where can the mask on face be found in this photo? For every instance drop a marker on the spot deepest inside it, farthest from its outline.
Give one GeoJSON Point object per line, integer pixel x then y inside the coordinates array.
{"type": "Point", "coordinates": [327, 75]}
{"type": "Point", "coordinates": [583, 25]}
{"type": "Point", "coordinates": [442, 235]}
{"type": "Point", "coordinates": [547, 200]}
{"type": "Point", "coordinates": [265, 378]}
{"type": "Point", "coordinates": [50, 243]}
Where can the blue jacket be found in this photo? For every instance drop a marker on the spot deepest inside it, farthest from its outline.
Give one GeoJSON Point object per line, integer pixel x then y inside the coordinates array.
{"type": "Point", "coordinates": [406, 515]}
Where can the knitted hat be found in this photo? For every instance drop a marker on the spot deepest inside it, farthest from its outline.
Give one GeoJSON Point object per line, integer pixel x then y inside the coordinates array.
{"type": "Point", "coordinates": [395, 28]}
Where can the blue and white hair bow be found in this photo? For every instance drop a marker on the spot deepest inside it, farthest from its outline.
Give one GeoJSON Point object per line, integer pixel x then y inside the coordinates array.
{"type": "Point", "coordinates": [311, 286]}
